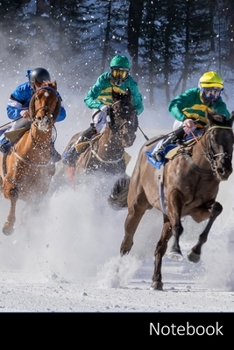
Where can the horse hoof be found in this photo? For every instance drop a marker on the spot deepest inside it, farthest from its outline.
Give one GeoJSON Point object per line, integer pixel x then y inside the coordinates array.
{"type": "Point", "coordinates": [175, 255]}
{"type": "Point", "coordinates": [7, 230]}
{"type": "Point", "coordinates": [156, 286]}
{"type": "Point", "coordinates": [193, 257]}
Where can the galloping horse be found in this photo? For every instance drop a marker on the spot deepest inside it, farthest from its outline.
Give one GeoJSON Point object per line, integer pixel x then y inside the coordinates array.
{"type": "Point", "coordinates": [105, 152]}
{"type": "Point", "coordinates": [26, 171]}
{"type": "Point", "coordinates": [187, 185]}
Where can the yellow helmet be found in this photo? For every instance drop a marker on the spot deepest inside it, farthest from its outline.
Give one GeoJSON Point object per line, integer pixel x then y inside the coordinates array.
{"type": "Point", "coordinates": [211, 79]}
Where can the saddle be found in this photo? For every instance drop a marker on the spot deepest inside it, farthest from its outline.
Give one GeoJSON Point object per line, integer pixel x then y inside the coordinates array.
{"type": "Point", "coordinates": [82, 146]}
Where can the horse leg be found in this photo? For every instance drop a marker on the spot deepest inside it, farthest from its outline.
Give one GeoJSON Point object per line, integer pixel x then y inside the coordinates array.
{"type": "Point", "coordinates": [175, 203]}
{"type": "Point", "coordinates": [8, 227]}
{"type": "Point", "coordinates": [135, 214]}
{"type": "Point", "coordinates": [194, 254]}
{"type": "Point", "coordinates": [160, 250]}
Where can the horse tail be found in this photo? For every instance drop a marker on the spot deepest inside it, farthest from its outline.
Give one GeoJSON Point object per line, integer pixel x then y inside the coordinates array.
{"type": "Point", "coordinates": [119, 193]}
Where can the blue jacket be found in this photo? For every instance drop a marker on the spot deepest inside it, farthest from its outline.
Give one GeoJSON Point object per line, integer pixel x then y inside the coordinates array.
{"type": "Point", "coordinates": [20, 99]}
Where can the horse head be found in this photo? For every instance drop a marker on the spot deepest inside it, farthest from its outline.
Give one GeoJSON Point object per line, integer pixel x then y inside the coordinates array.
{"type": "Point", "coordinates": [45, 106]}
{"type": "Point", "coordinates": [220, 141]}
{"type": "Point", "coordinates": [122, 118]}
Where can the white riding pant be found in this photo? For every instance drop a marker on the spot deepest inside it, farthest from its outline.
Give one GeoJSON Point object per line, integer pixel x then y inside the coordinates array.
{"type": "Point", "coordinates": [99, 120]}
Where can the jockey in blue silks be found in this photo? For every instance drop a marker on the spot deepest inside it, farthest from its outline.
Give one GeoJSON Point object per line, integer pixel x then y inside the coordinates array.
{"type": "Point", "coordinates": [18, 106]}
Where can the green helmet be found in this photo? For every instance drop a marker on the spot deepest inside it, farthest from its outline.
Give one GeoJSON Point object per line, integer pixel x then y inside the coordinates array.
{"type": "Point", "coordinates": [120, 61]}
{"type": "Point", "coordinates": [210, 80]}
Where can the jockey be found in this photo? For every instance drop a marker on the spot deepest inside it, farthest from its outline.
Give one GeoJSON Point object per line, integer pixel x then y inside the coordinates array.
{"type": "Point", "coordinates": [192, 106]}
{"type": "Point", "coordinates": [18, 106]}
{"type": "Point", "coordinates": [99, 97]}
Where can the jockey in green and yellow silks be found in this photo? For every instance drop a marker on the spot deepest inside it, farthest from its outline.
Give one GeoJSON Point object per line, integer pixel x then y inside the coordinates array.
{"type": "Point", "coordinates": [192, 106]}
{"type": "Point", "coordinates": [194, 103]}
{"type": "Point", "coordinates": [99, 97]}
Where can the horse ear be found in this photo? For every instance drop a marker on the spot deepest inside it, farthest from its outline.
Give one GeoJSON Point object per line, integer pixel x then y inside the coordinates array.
{"type": "Point", "coordinates": [32, 106]}
{"type": "Point", "coordinates": [54, 84]}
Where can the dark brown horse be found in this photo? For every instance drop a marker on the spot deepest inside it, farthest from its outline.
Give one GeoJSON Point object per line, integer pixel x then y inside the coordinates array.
{"type": "Point", "coordinates": [27, 169]}
{"type": "Point", "coordinates": [105, 153]}
{"type": "Point", "coordinates": [188, 185]}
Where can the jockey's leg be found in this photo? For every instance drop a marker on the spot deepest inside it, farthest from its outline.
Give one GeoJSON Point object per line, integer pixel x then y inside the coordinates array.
{"type": "Point", "coordinates": [97, 125]}
{"type": "Point", "coordinates": [174, 137]}
{"type": "Point", "coordinates": [5, 144]}
{"type": "Point", "coordinates": [71, 156]}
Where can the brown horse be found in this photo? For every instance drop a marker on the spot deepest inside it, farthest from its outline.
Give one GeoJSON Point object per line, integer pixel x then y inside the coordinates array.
{"type": "Point", "coordinates": [105, 153]}
{"type": "Point", "coordinates": [188, 185]}
{"type": "Point", "coordinates": [26, 171]}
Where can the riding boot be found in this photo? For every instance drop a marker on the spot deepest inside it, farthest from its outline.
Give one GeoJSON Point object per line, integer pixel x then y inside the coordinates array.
{"type": "Point", "coordinates": [71, 156]}
{"type": "Point", "coordinates": [87, 134]}
{"type": "Point", "coordinates": [175, 137]}
{"type": "Point", "coordinates": [56, 157]}
{"type": "Point", "coordinates": [5, 145]}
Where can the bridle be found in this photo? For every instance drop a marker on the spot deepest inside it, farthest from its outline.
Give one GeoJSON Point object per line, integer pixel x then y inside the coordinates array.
{"type": "Point", "coordinates": [210, 155]}
{"type": "Point", "coordinates": [48, 116]}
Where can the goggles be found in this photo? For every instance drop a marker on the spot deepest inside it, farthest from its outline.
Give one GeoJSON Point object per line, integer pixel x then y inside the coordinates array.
{"type": "Point", "coordinates": [119, 72]}
{"type": "Point", "coordinates": [211, 93]}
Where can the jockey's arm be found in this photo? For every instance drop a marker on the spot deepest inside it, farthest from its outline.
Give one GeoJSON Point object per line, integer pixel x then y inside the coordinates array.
{"type": "Point", "coordinates": [14, 109]}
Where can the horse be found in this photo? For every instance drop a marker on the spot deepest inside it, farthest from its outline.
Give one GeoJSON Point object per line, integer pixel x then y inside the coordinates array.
{"type": "Point", "coordinates": [25, 172]}
{"type": "Point", "coordinates": [187, 185]}
{"type": "Point", "coordinates": [105, 153]}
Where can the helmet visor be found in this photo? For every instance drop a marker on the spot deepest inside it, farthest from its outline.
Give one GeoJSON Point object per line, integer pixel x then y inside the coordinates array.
{"type": "Point", "coordinates": [212, 93]}
{"type": "Point", "coordinates": [119, 73]}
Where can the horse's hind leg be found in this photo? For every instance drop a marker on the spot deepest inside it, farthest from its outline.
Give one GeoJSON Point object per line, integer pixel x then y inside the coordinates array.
{"type": "Point", "coordinates": [194, 254]}
{"type": "Point", "coordinates": [135, 214]}
{"type": "Point", "coordinates": [160, 250]}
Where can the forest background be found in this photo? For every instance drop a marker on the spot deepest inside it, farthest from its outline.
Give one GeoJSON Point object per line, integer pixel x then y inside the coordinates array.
{"type": "Point", "coordinates": [170, 43]}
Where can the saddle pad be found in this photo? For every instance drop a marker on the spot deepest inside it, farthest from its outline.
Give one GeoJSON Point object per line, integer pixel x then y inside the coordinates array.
{"type": "Point", "coordinates": [15, 135]}
{"type": "Point", "coordinates": [171, 153]}
{"type": "Point", "coordinates": [153, 161]}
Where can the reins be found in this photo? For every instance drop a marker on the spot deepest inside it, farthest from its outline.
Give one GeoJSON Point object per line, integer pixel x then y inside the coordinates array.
{"type": "Point", "coordinates": [27, 161]}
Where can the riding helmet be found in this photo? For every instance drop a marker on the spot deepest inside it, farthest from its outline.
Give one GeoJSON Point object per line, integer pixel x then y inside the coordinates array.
{"type": "Point", "coordinates": [120, 61]}
{"type": "Point", "coordinates": [39, 74]}
{"type": "Point", "coordinates": [211, 79]}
